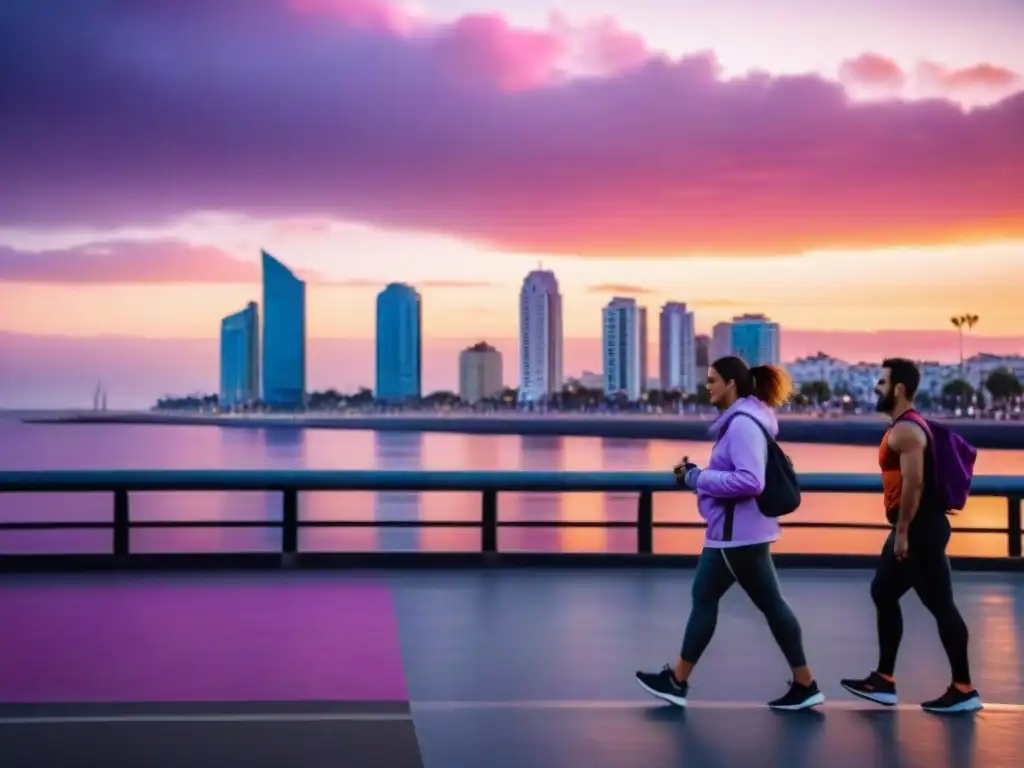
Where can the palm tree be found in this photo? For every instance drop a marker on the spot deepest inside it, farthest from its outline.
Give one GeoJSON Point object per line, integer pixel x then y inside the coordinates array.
{"type": "Point", "coordinates": [960, 322]}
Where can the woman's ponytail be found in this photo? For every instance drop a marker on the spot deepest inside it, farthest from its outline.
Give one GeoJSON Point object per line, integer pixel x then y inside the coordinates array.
{"type": "Point", "coordinates": [771, 384]}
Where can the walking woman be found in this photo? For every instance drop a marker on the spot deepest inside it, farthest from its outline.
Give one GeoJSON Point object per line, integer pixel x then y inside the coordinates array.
{"type": "Point", "coordinates": [738, 536]}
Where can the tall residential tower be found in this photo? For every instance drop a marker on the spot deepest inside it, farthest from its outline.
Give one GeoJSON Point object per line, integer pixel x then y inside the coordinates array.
{"type": "Point", "coordinates": [624, 348]}
{"type": "Point", "coordinates": [540, 337]}
{"type": "Point", "coordinates": [677, 345]}
{"type": "Point", "coordinates": [399, 361]}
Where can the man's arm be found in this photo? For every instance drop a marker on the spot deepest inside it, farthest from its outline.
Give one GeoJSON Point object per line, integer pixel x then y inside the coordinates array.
{"type": "Point", "coordinates": [910, 442]}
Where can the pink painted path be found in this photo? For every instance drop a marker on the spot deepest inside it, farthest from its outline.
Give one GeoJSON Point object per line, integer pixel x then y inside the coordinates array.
{"type": "Point", "coordinates": [157, 640]}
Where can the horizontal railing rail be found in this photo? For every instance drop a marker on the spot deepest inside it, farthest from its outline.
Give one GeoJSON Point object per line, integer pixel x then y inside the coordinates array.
{"type": "Point", "coordinates": [291, 482]}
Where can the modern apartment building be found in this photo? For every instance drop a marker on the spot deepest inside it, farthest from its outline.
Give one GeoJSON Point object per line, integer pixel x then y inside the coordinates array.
{"type": "Point", "coordinates": [540, 337]}
{"type": "Point", "coordinates": [624, 348]}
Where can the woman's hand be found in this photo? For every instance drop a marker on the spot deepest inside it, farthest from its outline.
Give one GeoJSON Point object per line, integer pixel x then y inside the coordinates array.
{"type": "Point", "coordinates": [686, 472]}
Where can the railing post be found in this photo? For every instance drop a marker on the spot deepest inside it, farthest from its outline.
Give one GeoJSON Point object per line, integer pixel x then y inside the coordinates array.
{"type": "Point", "coordinates": [290, 521]}
{"type": "Point", "coordinates": [122, 527]}
{"type": "Point", "coordinates": [1014, 527]}
{"type": "Point", "coordinates": [645, 523]}
{"type": "Point", "coordinates": [489, 522]}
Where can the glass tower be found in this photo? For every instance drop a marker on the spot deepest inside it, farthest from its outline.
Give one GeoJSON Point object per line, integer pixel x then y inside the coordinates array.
{"type": "Point", "coordinates": [399, 343]}
{"type": "Point", "coordinates": [239, 357]}
{"type": "Point", "coordinates": [284, 336]}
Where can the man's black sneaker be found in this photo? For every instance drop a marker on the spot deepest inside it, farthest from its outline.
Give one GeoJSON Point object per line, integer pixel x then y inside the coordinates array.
{"type": "Point", "coordinates": [799, 697]}
{"type": "Point", "coordinates": [874, 688]}
{"type": "Point", "coordinates": [664, 686]}
{"type": "Point", "coordinates": [955, 700]}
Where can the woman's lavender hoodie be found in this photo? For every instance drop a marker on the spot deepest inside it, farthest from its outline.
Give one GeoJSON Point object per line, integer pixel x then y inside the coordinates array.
{"type": "Point", "coordinates": [735, 474]}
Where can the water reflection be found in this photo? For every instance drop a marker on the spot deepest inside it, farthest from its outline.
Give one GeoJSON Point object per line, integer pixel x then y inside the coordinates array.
{"type": "Point", "coordinates": [285, 443]}
{"type": "Point", "coordinates": [538, 453]}
{"type": "Point", "coordinates": [398, 450]}
{"type": "Point", "coordinates": [285, 447]}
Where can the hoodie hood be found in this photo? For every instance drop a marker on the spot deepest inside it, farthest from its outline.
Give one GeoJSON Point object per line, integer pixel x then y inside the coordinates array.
{"type": "Point", "coordinates": [752, 406]}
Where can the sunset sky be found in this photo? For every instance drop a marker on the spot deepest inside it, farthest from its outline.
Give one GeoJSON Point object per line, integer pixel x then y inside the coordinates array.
{"type": "Point", "coordinates": [848, 168]}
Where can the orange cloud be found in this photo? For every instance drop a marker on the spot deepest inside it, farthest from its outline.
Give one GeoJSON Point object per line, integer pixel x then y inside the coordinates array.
{"type": "Point", "coordinates": [977, 76]}
{"type": "Point", "coordinates": [621, 289]}
{"type": "Point", "coordinates": [360, 282]}
{"type": "Point", "coordinates": [875, 70]}
{"type": "Point", "coordinates": [872, 69]}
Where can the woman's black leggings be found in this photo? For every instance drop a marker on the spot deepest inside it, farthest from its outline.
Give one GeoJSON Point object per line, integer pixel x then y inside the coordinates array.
{"type": "Point", "coordinates": [752, 568]}
{"type": "Point", "coordinates": [926, 570]}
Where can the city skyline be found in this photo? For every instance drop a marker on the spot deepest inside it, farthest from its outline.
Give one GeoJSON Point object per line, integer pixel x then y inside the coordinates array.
{"type": "Point", "coordinates": [846, 176]}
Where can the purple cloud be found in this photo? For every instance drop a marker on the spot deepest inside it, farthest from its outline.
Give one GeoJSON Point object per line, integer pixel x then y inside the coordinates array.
{"type": "Point", "coordinates": [117, 111]}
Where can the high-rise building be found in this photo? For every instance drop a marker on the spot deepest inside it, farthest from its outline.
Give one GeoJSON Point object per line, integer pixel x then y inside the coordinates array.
{"type": "Point", "coordinates": [480, 374]}
{"type": "Point", "coordinates": [284, 336]}
{"type": "Point", "coordinates": [240, 357]}
{"type": "Point", "coordinates": [624, 347]}
{"type": "Point", "coordinates": [703, 344]}
{"type": "Point", "coordinates": [755, 339]}
{"type": "Point", "coordinates": [721, 342]}
{"type": "Point", "coordinates": [399, 343]}
{"type": "Point", "coordinates": [540, 337]}
{"type": "Point", "coordinates": [677, 346]}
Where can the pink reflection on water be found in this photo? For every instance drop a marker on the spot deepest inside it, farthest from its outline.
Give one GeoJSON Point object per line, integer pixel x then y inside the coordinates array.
{"type": "Point", "coordinates": [108, 446]}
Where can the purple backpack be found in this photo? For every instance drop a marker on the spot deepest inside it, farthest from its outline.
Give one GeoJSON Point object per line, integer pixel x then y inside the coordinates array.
{"type": "Point", "coordinates": [952, 462]}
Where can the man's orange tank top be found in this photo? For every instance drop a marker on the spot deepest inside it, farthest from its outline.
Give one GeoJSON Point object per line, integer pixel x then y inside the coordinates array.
{"type": "Point", "coordinates": [892, 477]}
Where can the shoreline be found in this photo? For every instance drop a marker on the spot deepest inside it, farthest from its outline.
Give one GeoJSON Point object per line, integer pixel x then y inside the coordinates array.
{"type": "Point", "coordinates": [853, 430]}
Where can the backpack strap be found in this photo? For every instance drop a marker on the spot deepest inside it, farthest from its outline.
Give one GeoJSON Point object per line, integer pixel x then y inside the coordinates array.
{"type": "Point", "coordinates": [918, 419]}
{"type": "Point", "coordinates": [760, 426]}
{"type": "Point", "coordinates": [915, 417]}
{"type": "Point", "coordinates": [730, 504]}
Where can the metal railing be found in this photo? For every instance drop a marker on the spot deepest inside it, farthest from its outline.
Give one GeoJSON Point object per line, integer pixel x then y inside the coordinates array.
{"type": "Point", "coordinates": [489, 484]}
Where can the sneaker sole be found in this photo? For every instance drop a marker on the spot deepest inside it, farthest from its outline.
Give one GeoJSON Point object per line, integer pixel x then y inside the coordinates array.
{"type": "Point", "coordinates": [679, 701]}
{"type": "Point", "coordinates": [812, 701]}
{"type": "Point", "coordinates": [885, 699]}
{"type": "Point", "coordinates": [971, 705]}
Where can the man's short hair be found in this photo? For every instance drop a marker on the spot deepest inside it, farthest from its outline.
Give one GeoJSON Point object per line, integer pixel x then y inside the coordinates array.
{"type": "Point", "coordinates": [905, 372]}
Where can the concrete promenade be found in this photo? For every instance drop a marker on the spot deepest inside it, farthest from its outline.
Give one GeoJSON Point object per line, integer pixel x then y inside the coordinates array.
{"type": "Point", "coordinates": [496, 668]}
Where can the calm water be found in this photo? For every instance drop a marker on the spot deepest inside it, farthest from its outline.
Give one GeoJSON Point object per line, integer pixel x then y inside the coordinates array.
{"type": "Point", "coordinates": [25, 446]}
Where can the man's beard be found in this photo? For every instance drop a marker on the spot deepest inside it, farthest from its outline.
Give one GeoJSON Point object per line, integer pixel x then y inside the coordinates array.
{"type": "Point", "coordinates": [886, 403]}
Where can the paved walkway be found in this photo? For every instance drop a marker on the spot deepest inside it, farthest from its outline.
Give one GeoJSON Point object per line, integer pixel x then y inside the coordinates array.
{"type": "Point", "coordinates": [472, 668]}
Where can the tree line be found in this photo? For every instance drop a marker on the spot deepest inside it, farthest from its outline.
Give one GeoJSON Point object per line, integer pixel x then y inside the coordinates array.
{"type": "Point", "coordinates": [1001, 385]}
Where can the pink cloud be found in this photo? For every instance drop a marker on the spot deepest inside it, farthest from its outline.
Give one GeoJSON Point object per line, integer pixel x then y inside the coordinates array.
{"type": "Point", "coordinates": [130, 261]}
{"type": "Point", "coordinates": [978, 76]}
{"type": "Point", "coordinates": [872, 69]}
{"type": "Point", "coordinates": [478, 129]}
{"type": "Point", "coordinates": [375, 15]}
{"type": "Point", "coordinates": [484, 48]}
{"type": "Point", "coordinates": [875, 70]}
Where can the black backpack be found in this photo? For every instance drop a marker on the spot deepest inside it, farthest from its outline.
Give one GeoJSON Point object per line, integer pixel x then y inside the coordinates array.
{"type": "Point", "coordinates": [781, 494]}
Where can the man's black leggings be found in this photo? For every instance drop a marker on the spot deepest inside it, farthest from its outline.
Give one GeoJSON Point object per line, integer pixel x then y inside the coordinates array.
{"type": "Point", "coordinates": [926, 570]}
{"type": "Point", "coordinates": [752, 568]}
